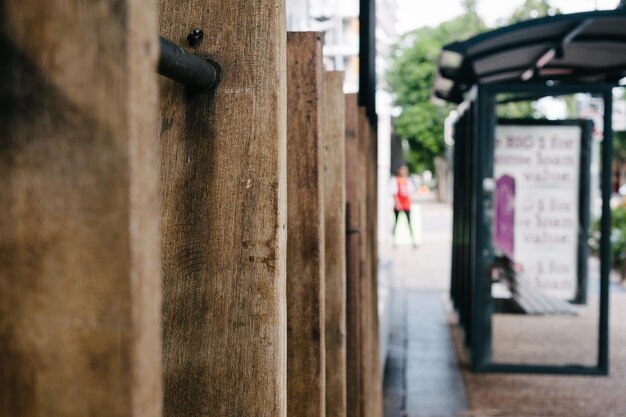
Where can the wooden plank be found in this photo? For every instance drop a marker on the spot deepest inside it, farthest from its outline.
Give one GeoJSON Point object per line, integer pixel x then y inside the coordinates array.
{"type": "Point", "coordinates": [372, 385]}
{"type": "Point", "coordinates": [305, 227]}
{"type": "Point", "coordinates": [335, 242]}
{"type": "Point", "coordinates": [79, 252]}
{"type": "Point", "coordinates": [365, 292]}
{"type": "Point", "coordinates": [224, 214]}
{"type": "Point", "coordinates": [354, 201]}
{"type": "Point", "coordinates": [372, 220]}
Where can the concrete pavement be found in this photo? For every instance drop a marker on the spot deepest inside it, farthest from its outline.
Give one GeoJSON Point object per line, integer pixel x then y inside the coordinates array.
{"type": "Point", "coordinates": [422, 377]}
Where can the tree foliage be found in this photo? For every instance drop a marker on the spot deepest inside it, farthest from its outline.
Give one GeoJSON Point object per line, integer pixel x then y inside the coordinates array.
{"type": "Point", "coordinates": [619, 147]}
{"type": "Point", "coordinates": [411, 79]}
{"type": "Point", "coordinates": [532, 9]}
{"type": "Point", "coordinates": [413, 72]}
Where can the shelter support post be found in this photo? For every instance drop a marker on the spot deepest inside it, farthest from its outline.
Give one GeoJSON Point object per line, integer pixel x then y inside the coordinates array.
{"type": "Point", "coordinates": [605, 243]}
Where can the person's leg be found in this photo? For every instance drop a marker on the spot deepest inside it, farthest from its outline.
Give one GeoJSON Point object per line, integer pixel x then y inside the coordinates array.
{"type": "Point", "coordinates": [408, 218]}
{"type": "Point", "coordinates": [395, 223]}
{"type": "Point", "coordinates": [407, 213]}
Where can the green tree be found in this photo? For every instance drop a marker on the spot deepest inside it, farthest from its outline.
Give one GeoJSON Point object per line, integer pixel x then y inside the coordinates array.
{"type": "Point", "coordinates": [414, 66]}
{"type": "Point", "coordinates": [532, 9]}
{"type": "Point", "coordinates": [411, 79]}
{"type": "Point", "coordinates": [516, 110]}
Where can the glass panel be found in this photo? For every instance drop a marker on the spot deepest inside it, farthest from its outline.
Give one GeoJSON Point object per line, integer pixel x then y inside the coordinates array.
{"type": "Point", "coordinates": [542, 203]}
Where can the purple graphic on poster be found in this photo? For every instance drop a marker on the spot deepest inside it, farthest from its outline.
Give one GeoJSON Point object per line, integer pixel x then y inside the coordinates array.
{"type": "Point", "coordinates": [504, 221]}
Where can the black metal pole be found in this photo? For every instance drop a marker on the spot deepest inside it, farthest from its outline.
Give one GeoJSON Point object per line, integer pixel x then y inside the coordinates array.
{"type": "Point", "coordinates": [605, 234]}
{"type": "Point", "coordinates": [367, 58]}
{"type": "Point", "coordinates": [179, 65]}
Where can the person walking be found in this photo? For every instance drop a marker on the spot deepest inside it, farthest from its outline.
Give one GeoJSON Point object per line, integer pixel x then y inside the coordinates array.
{"type": "Point", "coordinates": [402, 190]}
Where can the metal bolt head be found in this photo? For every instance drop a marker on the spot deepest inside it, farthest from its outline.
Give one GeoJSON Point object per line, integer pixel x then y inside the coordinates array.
{"type": "Point", "coordinates": [195, 37]}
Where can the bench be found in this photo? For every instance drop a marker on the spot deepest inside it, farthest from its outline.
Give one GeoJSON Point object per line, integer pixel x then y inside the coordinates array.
{"type": "Point", "coordinates": [524, 297]}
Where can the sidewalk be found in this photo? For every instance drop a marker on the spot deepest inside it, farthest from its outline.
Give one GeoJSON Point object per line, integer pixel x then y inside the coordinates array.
{"type": "Point", "coordinates": [422, 377]}
{"type": "Point", "coordinates": [427, 373]}
{"type": "Point", "coordinates": [515, 395]}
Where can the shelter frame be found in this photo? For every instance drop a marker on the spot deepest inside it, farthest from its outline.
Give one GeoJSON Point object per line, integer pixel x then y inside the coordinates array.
{"type": "Point", "coordinates": [471, 255]}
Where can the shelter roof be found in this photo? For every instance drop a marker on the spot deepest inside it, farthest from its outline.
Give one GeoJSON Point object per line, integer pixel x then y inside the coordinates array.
{"type": "Point", "coordinates": [585, 47]}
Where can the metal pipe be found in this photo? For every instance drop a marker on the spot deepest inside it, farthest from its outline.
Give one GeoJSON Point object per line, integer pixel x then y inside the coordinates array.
{"type": "Point", "coordinates": [179, 65]}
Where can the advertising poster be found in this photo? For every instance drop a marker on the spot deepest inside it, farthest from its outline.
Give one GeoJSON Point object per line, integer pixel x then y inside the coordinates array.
{"type": "Point", "coordinates": [536, 204]}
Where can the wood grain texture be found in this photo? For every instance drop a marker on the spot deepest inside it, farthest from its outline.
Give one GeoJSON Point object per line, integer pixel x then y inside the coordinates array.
{"type": "Point", "coordinates": [305, 227]}
{"type": "Point", "coordinates": [375, 370]}
{"type": "Point", "coordinates": [335, 242]}
{"type": "Point", "coordinates": [365, 289]}
{"type": "Point", "coordinates": [354, 203]}
{"type": "Point", "coordinates": [79, 252]}
{"type": "Point", "coordinates": [224, 214]}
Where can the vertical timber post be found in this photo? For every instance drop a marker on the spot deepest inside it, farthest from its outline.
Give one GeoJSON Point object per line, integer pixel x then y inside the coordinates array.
{"type": "Point", "coordinates": [372, 216]}
{"type": "Point", "coordinates": [224, 213]}
{"type": "Point", "coordinates": [367, 99]}
{"type": "Point", "coordinates": [353, 256]}
{"type": "Point", "coordinates": [79, 252]}
{"type": "Point", "coordinates": [305, 227]}
{"type": "Point", "coordinates": [365, 289]}
{"type": "Point", "coordinates": [333, 112]}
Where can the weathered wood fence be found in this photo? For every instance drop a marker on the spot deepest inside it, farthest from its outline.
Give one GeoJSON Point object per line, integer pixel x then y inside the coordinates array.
{"type": "Point", "coordinates": [171, 252]}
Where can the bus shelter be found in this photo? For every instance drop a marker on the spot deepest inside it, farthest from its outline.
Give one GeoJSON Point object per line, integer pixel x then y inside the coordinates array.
{"type": "Point", "coordinates": [531, 193]}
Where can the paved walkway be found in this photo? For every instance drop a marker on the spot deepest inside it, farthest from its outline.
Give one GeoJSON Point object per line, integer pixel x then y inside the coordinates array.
{"type": "Point", "coordinates": [422, 378]}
